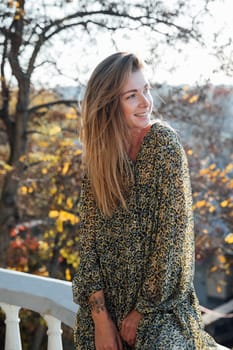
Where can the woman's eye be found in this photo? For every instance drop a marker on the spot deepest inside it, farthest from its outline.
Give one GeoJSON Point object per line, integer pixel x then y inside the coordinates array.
{"type": "Point", "coordinates": [130, 96]}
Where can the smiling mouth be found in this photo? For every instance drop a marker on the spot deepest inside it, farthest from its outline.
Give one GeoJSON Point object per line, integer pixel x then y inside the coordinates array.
{"type": "Point", "coordinates": [141, 115]}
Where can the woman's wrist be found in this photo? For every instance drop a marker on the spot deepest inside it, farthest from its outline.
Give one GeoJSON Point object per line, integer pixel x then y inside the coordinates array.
{"type": "Point", "coordinates": [98, 307]}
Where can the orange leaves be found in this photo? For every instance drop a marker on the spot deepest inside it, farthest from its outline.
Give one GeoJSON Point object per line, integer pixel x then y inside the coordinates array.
{"type": "Point", "coordinates": [22, 253]}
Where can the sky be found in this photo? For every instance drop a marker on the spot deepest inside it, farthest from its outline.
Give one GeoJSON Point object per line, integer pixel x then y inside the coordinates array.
{"type": "Point", "coordinates": [193, 65]}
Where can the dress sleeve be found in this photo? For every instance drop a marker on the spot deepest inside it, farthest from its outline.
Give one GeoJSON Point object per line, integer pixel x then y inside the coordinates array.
{"type": "Point", "coordinates": [169, 269]}
{"type": "Point", "coordinates": [88, 278]}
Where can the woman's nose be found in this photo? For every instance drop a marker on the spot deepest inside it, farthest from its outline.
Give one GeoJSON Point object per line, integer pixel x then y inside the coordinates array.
{"type": "Point", "coordinates": [144, 100]}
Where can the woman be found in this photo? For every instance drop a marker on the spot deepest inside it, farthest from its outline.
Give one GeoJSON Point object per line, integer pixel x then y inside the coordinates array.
{"type": "Point", "coordinates": [135, 280]}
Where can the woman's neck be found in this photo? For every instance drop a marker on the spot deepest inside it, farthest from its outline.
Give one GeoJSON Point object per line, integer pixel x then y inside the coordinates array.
{"type": "Point", "coordinates": [137, 137]}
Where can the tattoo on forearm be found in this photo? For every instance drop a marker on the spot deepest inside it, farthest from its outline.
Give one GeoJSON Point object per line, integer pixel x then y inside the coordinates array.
{"type": "Point", "coordinates": [97, 304]}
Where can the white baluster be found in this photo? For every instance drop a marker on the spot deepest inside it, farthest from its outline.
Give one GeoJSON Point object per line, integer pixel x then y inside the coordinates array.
{"type": "Point", "coordinates": [12, 338]}
{"type": "Point", "coordinates": [54, 333]}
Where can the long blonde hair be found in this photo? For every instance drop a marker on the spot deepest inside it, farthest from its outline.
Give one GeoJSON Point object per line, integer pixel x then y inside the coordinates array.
{"type": "Point", "coordinates": [104, 132]}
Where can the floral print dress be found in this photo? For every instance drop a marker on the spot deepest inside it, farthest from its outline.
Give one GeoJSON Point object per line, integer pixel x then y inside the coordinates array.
{"type": "Point", "coordinates": [143, 258]}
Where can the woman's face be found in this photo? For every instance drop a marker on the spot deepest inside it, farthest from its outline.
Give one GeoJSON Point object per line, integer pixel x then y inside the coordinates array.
{"type": "Point", "coordinates": [136, 101]}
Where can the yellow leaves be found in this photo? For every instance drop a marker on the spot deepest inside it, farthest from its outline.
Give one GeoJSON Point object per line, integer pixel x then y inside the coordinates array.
{"type": "Point", "coordinates": [189, 152]}
{"type": "Point", "coordinates": [71, 258]}
{"type": "Point", "coordinates": [71, 115]}
{"type": "Point", "coordinates": [67, 274]}
{"type": "Point", "coordinates": [219, 289]}
{"type": "Point", "coordinates": [69, 203]}
{"type": "Point", "coordinates": [54, 130]}
{"type": "Point", "coordinates": [212, 166]}
{"type": "Point", "coordinates": [193, 99]}
{"type": "Point", "coordinates": [62, 216]}
{"type": "Point", "coordinates": [200, 204]}
{"type": "Point", "coordinates": [59, 224]}
{"type": "Point", "coordinates": [19, 11]}
{"type": "Point", "coordinates": [53, 214]}
{"type": "Point", "coordinates": [211, 209]}
{"type": "Point", "coordinates": [214, 268]}
{"type": "Point", "coordinates": [22, 158]}
{"type": "Point", "coordinates": [44, 171]}
{"type": "Point", "coordinates": [4, 167]}
{"type": "Point", "coordinates": [24, 190]}
{"type": "Point", "coordinates": [43, 245]}
{"type": "Point", "coordinates": [44, 144]}
{"type": "Point", "coordinates": [203, 205]}
{"type": "Point", "coordinates": [203, 172]}
{"type": "Point", "coordinates": [59, 199]}
{"type": "Point", "coordinates": [53, 190]}
{"type": "Point", "coordinates": [222, 259]}
{"type": "Point", "coordinates": [230, 184]}
{"type": "Point", "coordinates": [185, 87]}
{"type": "Point", "coordinates": [229, 238]}
{"type": "Point", "coordinates": [77, 152]}
{"type": "Point", "coordinates": [69, 217]}
{"type": "Point", "coordinates": [225, 203]}
{"type": "Point", "coordinates": [67, 143]}
{"type": "Point", "coordinates": [216, 175]}
{"type": "Point", "coordinates": [40, 157]}
{"type": "Point", "coordinates": [65, 168]}
{"type": "Point", "coordinates": [42, 271]}
{"type": "Point", "coordinates": [189, 97]}
{"type": "Point", "coordinates": [69, 243]}
{"type": "Point", "coordinates": [229, 168]}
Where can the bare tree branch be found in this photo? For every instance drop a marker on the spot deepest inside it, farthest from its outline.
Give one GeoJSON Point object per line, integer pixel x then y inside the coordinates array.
{"type": "Point", "coordinates": [73, 103]}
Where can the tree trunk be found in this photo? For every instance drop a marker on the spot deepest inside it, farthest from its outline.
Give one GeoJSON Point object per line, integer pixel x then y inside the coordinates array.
{"type": "Point", "coordinates": [17, 135]}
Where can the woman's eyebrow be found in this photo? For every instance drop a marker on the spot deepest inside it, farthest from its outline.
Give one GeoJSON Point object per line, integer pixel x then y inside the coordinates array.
{"type": "Point", "coordinates": [134, 90]}
{"type": "Point", "coordinates": [129, 91]}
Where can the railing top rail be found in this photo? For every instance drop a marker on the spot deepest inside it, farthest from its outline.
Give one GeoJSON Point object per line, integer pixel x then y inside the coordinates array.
{"type": "Point", "coordinates": [42, 294]}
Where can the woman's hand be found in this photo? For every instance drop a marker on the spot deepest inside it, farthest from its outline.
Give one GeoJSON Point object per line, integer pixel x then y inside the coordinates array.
{"type": "Point", "coordinates": [129, 327]}
{"type": "Point", "coordinates": [107, 336]}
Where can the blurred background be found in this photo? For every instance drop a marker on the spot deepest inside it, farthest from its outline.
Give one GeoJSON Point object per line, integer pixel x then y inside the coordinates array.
{"type": "Point", "coordinates": [47, 52]}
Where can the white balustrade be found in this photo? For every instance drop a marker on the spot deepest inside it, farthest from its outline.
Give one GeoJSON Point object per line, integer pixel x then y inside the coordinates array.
{"type": "Point", "coordinates": [50, 297]}
{"type": "Point", "coordinates": [54, 333]}
{"type": "Point", "coordinates": [12, 339]}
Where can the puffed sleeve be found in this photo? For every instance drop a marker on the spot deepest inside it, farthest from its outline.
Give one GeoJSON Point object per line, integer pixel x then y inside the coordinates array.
{"type": "Point", "coordinates": [88, 278]}
{"type": "Point", "coordinates": [169, 270]}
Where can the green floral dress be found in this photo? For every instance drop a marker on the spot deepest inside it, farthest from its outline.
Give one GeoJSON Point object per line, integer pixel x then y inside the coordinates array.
{"type": "Point", "coordinates": [143, 258]}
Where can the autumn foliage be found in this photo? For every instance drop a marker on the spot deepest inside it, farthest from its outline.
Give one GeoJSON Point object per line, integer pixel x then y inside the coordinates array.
{"type": "Point", "coordinates": [45, 241]}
